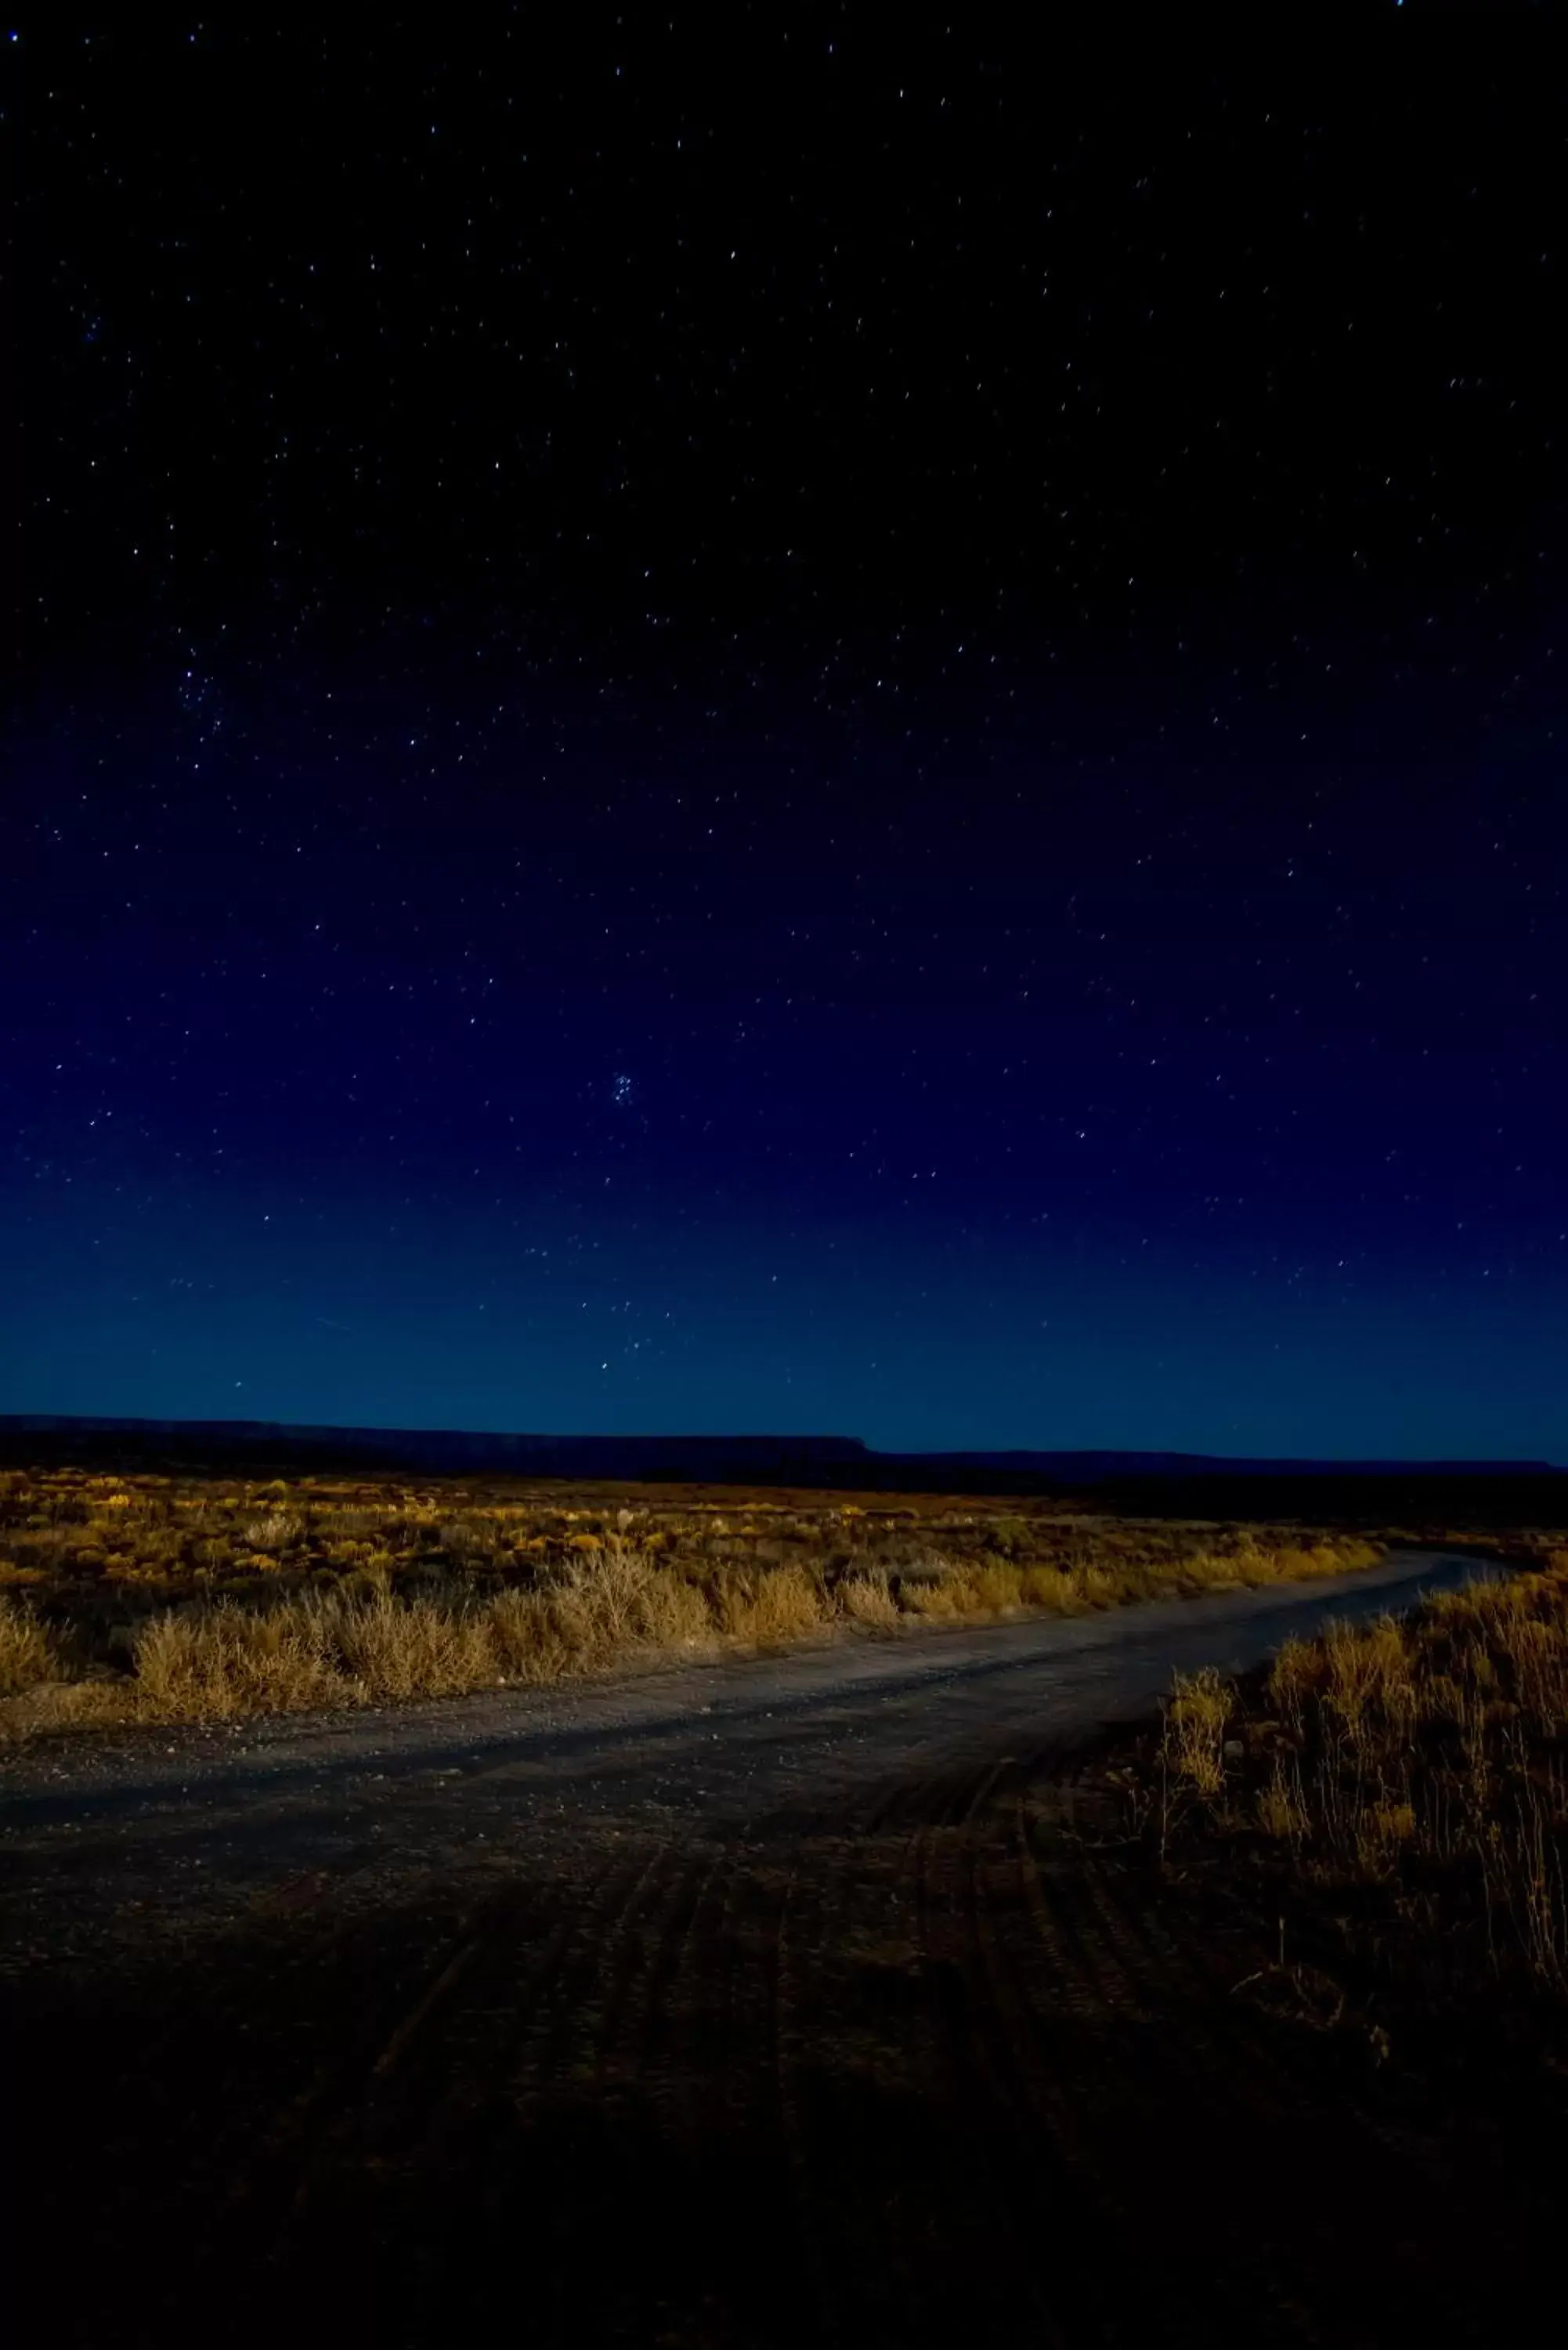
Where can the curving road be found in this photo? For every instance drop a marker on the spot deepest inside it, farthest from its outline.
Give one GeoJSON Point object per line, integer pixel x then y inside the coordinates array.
{"type": "Point", "coordinates": [809, 1995]}
{"type": "Point", "coordinates": [200, 1821]}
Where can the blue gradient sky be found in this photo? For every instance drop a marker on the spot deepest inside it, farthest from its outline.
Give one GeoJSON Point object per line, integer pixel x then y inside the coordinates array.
{"type": "Point", "coordinates": [661, 781]}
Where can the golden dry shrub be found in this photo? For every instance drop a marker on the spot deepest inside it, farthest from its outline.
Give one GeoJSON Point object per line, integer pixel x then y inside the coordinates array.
{"type": "Point", "coordinates": [866, 1599]}
{"type": "Point", "coordinates": [1280, 1811]}
{"type": "Point", "coordinates": [1196, 1715]}
{"type": "Point", "coordinates": [1094, 1587]}
{"type": "Point", "coordinates": [527, 1644]}
{"type": "Point", "coordinates": [1536, 1662]}
{"type": "Point", "coordinates": [994, 1587]}
{"type": "Point", "coordinates": [28, 1649]}
{"type": "Point", "coordinates": [1294, 1676]}
{"type": "Point", "coordinates": [1221, 1570]}
{"type": "Point", "coordinates": [1381, 1830]}
{"type": "Point", "coordinates": [591, 1610]}
{"type": "Point", "coordinates": [1356, 1663]}
{"type": "Point", "coordinates": [673, 1613]}
{"type": "Point", "coordinates": [779, 1604]}
{"type": "Point", "coordinates": [276, 1532]}
{"type": "Point", "coordinates": [1303, 1562]}
{"type": "Point", "coordinates": [596, 1598]}
{"type": "Point", "coordinates": [401, 1648]}
{"type": "Point", "coordinates": [936, 1598]}
{"type": "Point", "coordinates": [1047, 1588]}
{"type": "Point", "coordinates": [209, 1664]}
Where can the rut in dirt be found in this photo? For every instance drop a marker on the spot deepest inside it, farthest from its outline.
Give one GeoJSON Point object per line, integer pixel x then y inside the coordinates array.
{"type": "Point", "coordinates": [963, 2069]}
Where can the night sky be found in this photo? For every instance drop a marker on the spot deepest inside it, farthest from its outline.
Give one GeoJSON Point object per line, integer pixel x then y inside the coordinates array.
{"type": "Point", "coordinates": [769, 722]}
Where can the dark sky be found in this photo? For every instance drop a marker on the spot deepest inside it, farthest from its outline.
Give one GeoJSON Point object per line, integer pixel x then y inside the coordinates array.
{"type": "Point", "coordinates": [766, 721]}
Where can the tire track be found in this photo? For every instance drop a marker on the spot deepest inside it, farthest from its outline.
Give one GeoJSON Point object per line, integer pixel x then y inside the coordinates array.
{"type": "Point", "coordinates": [1360, 2263]}
{"type": "Point", "coordinates": [1127, 2058]}
{"type": "Point", "coordinates": [1264, 2080]}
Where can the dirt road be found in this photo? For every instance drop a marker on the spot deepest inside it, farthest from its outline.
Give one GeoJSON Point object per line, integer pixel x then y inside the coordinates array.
{"type": "Point", "coordinates": [808, 1996]}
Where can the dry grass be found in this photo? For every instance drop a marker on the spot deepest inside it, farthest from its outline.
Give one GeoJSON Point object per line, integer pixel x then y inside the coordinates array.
{"type": "Point", "coordinates": [164, 1598]}
{"type": "Point", "coordinates": [866, 1599]}
{"type": "Point", "coordinates": [781, 1603]}
{"type": "Point", "coordinates": [1195, 1723]}
{"type": "Point", "coordinates": [28, 1649]}
{"type": "Point", "coordinates": [1397, 1791]}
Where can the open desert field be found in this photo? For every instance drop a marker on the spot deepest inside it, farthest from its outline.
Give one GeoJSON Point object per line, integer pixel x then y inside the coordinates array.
{"type": "Point", "coordinates": [1061, 1973]}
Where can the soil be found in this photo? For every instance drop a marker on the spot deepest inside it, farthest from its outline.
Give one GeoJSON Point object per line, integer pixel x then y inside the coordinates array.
{"type": "Point", "coordinates": [815, 1995]}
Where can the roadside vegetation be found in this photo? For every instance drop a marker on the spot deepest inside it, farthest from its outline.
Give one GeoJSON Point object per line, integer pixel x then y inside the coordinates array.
{"type": "Point", "coordinates": [167, 1598]}
{"type": "Point", "coordinates": [1389, 1804]}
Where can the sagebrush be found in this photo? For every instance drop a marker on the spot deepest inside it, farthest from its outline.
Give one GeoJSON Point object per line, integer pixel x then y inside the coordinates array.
{"type": "Point", "coordinates": [1397, 1792]}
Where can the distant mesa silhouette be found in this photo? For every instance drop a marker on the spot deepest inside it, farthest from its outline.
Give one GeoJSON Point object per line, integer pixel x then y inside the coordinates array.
{"type": "Point", "coordinates": [825, 1460]}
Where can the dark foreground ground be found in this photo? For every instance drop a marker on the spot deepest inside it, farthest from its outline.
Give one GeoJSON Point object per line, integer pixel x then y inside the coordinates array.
{"type": "Point", "coordinates": [816, 1998]}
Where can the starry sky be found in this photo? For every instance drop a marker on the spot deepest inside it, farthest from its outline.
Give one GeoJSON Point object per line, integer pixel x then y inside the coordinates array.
{"type": "Point", "coordinates": [778, 719]}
